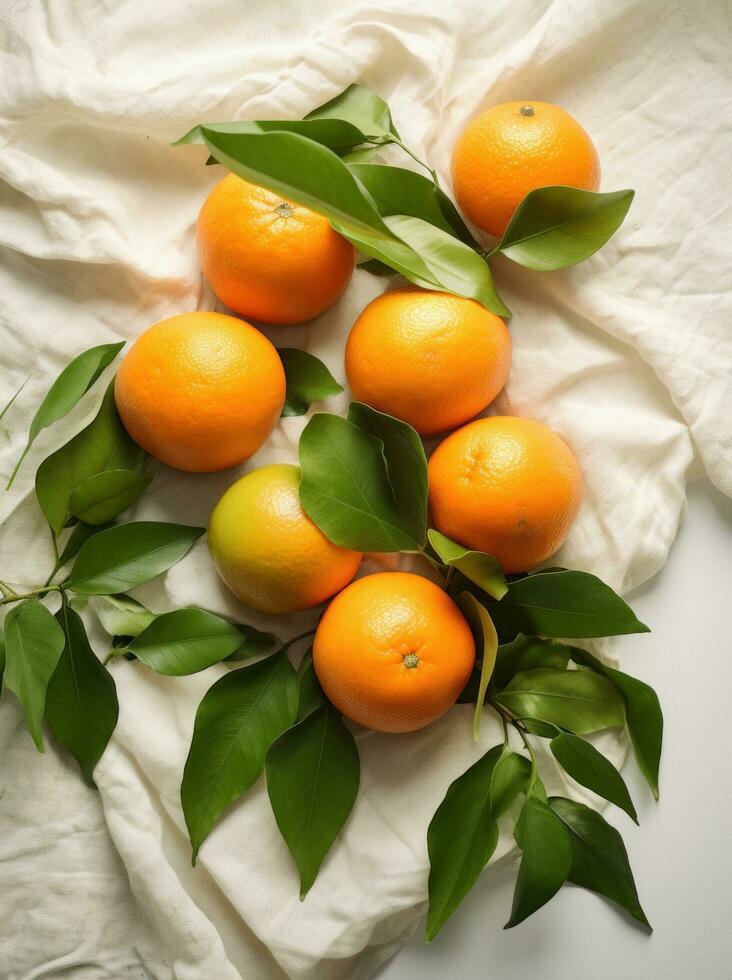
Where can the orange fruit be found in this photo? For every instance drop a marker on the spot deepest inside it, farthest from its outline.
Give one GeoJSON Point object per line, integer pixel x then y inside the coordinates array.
{"type": "Point", "coordinates": [269, 258]}
{"type": "Point", "coordinates": [507, 486]}
{"type": "Point", "coordinates": [200, 391]}
{"type": "Point", "coordinates": [513, 148]}
{"type": "Point", "coordinates": [268, 551]}
{"type": "Point", "coordinates": [432, 359]}
{"type": "Point", "coordinates": [393, 652]}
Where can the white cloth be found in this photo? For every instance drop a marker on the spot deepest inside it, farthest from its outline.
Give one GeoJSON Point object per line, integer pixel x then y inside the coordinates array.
{"type": "Point", "coordinates": [624, 355]}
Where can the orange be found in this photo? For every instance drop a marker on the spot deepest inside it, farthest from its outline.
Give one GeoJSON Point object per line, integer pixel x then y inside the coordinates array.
{"type": "Point", "coordinates": [513, 148]}
{"type": "Point", "coordinates": [507, 486]}
{"type": "Point", "coordinates": [432, 359]}
{"type": "Point", "coordinates": [393, 652]}
{"type": "Point", "coordinates": [200, 391]}
{"type": "Point", "coordinates": [268, 551]}
{"type": "Point", "coordinates": [269, 258]}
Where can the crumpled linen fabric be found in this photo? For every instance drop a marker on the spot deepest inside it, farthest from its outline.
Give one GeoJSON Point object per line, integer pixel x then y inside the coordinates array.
{"type": "Point", "coordinates": [625, 355]}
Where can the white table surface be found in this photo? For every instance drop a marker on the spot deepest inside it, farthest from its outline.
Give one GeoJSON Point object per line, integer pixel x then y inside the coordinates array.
{"type": "Point", "coordinates": [682, 852]}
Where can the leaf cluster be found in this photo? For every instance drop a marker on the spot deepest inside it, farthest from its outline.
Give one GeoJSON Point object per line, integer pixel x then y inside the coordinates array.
{"type": "Point", "coordinates": [400, 219]}
{"type": "Point", "coordinates": [364, 484]}
{"type": "Point", "coordinates": [46, 660]}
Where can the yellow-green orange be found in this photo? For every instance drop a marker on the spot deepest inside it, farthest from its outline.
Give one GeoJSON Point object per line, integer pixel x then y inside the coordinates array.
{"type": "Point", "coordinates": [268, 551]}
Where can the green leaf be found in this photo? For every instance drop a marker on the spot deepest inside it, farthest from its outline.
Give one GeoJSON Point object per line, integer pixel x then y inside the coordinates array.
{"type": "Point", "coordinates": [399, 191]}
{"type": "Point", "coordinates": [311, 693]}
{"type": "Point", "coordinates": [254, 643]}
{"type": "Point", "coordinates": [482, 569]}
{"type": "Point", "coordinates": [545, 862]}
{"type": "Point", "coordinates": [80, 533]}
{"type": "Point", "coordinates": [406, 465]}
{"type": "Point", "coordinates": [387, 249]}
{"type": "Point", "coordinates": [33, 644]}
{"type": "Point", "coordinates": [236, 722]}
{"type": "Point", "coordinates": [362, 108]}
{"type": "Point", "coordinates": [345, 487]}
{"type": "Point", "coordinates": [104, 496]}
{"type": "Point", "coordinates": [300, 170]}
{"type": "Point", "coordinates": [102, 445]}
{"type": "Point", "coordinates": [555, 227]}
{"type": "Point", "coordinates": [526, 653]}
{"type": "Point", "coordinates": [8, 405]}
{"type": "Point", "coordinates": [469, 694]}
{"type": "Point", "coordinates": [452, 265]}
{"type": "Point", "coordinates": [564, 604]}
{"type": "Point", "coordinates": [304, 171]}
{"type": "Point", "coordinates": [394, 252]}
{"type": "Point", "coordinates": [486, 642]}
{"type": "Point", "coordinates": [81, 703]}
{"type": "Point", "coordinates": [128, 555]}
{"type": "Point", "coordinates": [337, 134]}
{"type": "Point", "coordinates": [535, 788]}
{"type": "Point", "coordinates": [362, 154]}
{"type": "Point", "coordinates": [511, 777]}
{"type": "Point", "coordinates": [121, 615]}
{"type": "Point", "coordinates": [461, 838]}
{"type": "Point", "coordinates": [308, 380]}
{"type": "Point", "coordinates": [599, 859]}
{"type": "Point", "coordinates": [312, 773]}
{"type": "Point", "coordinates": [577, 700]}
{"type": "Point", "coordinates": [2, 659]}
{"type": "Point", "coordinates": [74, 381]}
{"type": "Point", "coordinates": [542, 728]}
{"type": "Point", "coordinates": [590, 768]}
{"type": "Point", "coordinates": [185, 641]}
{"type": "Point", "coordinates": [643, 715]}
{"type": "Point", "coordinates": [314, 176]}
{"type": "Point", "coordinates": [377, 268]}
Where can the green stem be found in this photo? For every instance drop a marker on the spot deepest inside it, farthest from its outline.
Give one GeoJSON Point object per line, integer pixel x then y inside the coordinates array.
{"type": "Point", "coordinates": [506, 716]}
{"type": "Point", "coordinates": [430, 171]}
{"type": "Point", "coordinates": [17, 597]}
{"type": "Point", "coordinates": [296, 639]}
{"type": "Point", "coordinates": [534, 770]}
{"type": "Point", "coordinates": [17, 467]}
{"type": "Point", "coordinates": [57, 564]}
{"type": "Point", "coordinates": [115, 652]}
{"type": "Point", "coordinates": [50, 578]}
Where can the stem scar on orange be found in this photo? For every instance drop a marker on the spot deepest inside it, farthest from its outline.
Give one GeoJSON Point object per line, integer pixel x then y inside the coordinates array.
{"type": "Point", "coordinates": [269, 258]}
{"type": "Point", "coordinates": [513, 148]}
{"type": "Point", "coordinates": [200, 391]}
{"type": "Point", "coordinates": [393, 652]}
{"type": "Point", "coordinates": [507, 486]}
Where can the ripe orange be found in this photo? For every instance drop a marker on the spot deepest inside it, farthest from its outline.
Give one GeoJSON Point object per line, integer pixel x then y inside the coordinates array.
{"type": "Point", "coordinates": [432, 359]}
{"type": "Point", "coordinates": [200, 391]}
{"type": "Point", "coordinates": [268, 258]}
{"type": "Point", "coordinates": [268, 551]}
{"type": "Point", "coordinates": [393, 652]}
{"type": "Point", "coordinates": [513, 148]}
{"type": "Point", "coordinates": [507, 486]}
